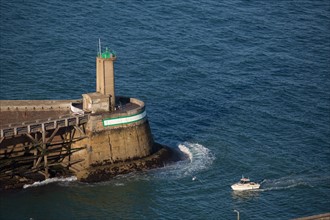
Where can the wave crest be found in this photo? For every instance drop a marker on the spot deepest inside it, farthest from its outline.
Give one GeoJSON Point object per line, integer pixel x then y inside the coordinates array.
{"type": "Point", "coordinates": [195, 158]}
{"type": "Point", "coordinates": [51, 180]}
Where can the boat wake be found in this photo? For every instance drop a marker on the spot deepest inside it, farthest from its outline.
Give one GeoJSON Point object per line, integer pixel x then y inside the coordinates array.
{"type": "Point", "coordinates": [292, 182]}
{"type": "Point", "coordinates": [50, 180]}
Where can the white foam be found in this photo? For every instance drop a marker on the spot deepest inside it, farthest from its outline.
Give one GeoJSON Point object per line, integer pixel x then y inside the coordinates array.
{"type": "Point", "coordinates": [119, 184]}
{"type": "Point", "coordinates": [186, 151]}
{"type": "Point", "coordinates": [291, 182]}
{"type": "Point", "coordinates": [51, 180]}
{"type": "Point", "coordinates": [197, 158]}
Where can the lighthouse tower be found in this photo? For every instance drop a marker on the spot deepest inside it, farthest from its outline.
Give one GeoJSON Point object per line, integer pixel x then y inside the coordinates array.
{"type": "Point", "coordinates": [105, 76]}
{"type": "Point", "coordinates": [104, 98]}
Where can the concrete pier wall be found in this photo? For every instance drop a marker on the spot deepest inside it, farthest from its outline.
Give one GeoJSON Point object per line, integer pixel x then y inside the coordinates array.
{"type": "Point", "coordinates": [107, 144]}
{"type": "Point", "coordinates": [116, 144]}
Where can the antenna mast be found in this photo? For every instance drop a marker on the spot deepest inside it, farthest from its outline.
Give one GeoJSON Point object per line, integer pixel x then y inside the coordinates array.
{"type": "Point", "coordinates": [100, 51]}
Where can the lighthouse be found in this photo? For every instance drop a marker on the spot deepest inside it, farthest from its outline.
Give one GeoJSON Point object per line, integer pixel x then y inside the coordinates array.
{"type": "Point", "coordinates": [104, 98]}
{"type": "Point", "coordinates": [105, 76]}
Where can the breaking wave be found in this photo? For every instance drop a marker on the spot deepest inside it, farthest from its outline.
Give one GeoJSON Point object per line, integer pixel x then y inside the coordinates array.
{"type": "Point", "coordinates": [185, 150]}
{"type": "Point", "coordinates": [194, 158]}
{"type": "Point", "coordinates": [51, 180]}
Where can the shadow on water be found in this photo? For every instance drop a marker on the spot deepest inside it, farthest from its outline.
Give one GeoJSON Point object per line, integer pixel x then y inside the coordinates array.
{"type": "Point", "coordinates": [245, 195]}
{"type": "Point", "coordinates": [119, 198]}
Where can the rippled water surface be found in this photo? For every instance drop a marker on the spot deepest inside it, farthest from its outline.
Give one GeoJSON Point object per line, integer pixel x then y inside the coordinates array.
{"type": "Point", "coordinates": [237, 86]}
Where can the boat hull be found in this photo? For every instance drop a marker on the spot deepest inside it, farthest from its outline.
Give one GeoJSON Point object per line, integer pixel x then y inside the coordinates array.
{"type": "Point", "coordinates": [243, 187]}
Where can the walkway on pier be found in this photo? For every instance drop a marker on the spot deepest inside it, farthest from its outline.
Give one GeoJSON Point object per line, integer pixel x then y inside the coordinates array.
{"type": "Point", "coordinates": [42, 125]}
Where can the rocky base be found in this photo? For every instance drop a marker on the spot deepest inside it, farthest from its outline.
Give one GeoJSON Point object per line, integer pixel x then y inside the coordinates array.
{"type": "Point", "coordinates": [18, 181]}
{"type": "Point", "coordinates": [102, 173]}
{"type": "Point", "coordinates": [15, 182]}
{"type": "Point", "coordinates": [99, 173]}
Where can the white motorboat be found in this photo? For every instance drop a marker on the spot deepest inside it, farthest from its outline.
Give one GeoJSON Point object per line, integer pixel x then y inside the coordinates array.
{"type": "Point", "coordinates": [245, 184]}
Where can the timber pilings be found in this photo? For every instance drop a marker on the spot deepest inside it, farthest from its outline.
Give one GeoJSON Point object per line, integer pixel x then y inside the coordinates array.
{"type": "Point", "coordinates": [37, 146]}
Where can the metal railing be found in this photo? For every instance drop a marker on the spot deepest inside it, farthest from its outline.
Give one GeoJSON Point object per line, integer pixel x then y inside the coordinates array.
{"type": "Point", "coordinates": [41, 126]}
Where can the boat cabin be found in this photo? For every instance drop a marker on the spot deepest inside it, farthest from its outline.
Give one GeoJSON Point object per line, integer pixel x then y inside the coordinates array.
{"type": "Point", "coordinates": [245, 180]}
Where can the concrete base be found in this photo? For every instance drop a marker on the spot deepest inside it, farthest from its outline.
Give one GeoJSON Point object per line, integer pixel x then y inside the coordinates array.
{"type": "Point", "coordinates": [113, 145]}
{"type": "Point", "coordinates": [106, 172]}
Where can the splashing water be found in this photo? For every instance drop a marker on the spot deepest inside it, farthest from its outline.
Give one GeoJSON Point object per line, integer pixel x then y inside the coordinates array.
{"type": "Point", "coordinates": [51, 180]}
{"type": "Point", "coordinates": [195, 157]}
{"type": "Point", "coordinates": [185, 150]}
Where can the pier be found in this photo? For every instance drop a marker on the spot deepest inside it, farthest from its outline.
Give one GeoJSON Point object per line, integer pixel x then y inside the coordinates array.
{"type": "Point", "coordinates": [92, 138]}
{"type": "Point", "coordinates": [39, 145]}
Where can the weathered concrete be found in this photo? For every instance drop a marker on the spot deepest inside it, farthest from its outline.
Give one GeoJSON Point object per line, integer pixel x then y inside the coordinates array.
{"type": "Point", "coordinates": [96, 102]}
{"type": "Point", "coordinates": [107, 171]}
{"type": "Point", "coordinates": [105, 78]}
{"type": "Point", "coordinates": [119, 144]}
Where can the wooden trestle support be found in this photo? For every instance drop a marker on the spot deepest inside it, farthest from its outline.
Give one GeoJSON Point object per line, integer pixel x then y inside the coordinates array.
{"type": "Point", "coordinates": [40, 147]}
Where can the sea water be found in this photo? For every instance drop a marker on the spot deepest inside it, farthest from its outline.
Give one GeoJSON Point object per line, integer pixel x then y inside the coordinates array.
{"type": "Point", "coordinates": [237, 87]}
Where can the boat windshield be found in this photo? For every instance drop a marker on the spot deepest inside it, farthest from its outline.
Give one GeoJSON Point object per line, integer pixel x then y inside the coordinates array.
{"type": "Point", "coordinates": [244, 180]}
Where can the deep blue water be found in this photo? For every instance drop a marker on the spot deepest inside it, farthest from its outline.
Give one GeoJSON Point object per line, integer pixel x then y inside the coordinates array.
{"type": "Point", "coordinates": [240, 86]}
